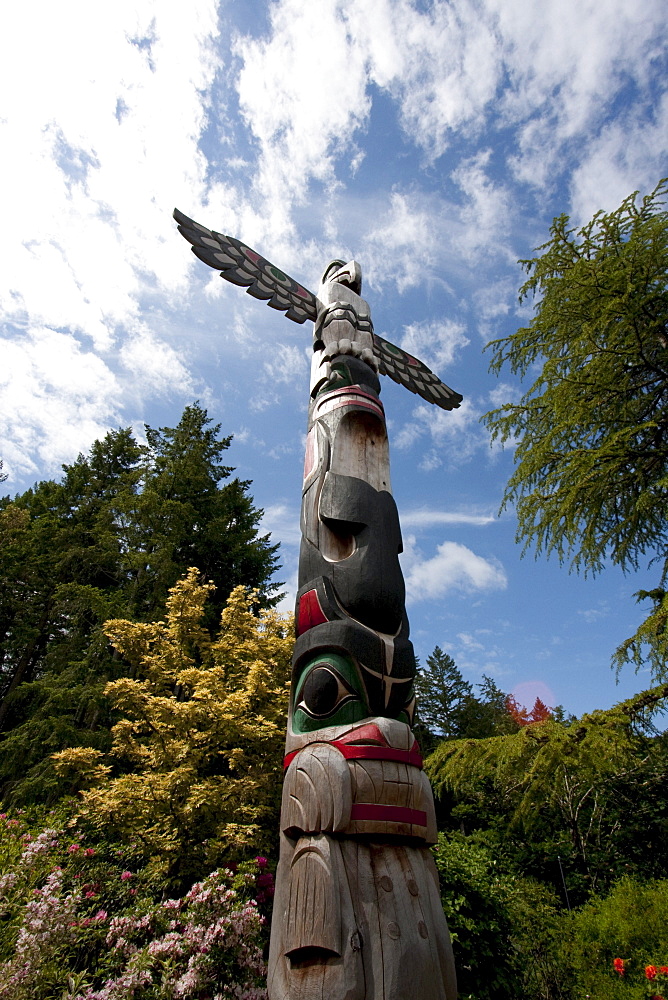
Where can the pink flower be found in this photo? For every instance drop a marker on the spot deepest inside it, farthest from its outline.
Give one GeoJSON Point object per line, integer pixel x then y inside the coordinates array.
{"type": "Point", "coordinates": [89, 852]}
{"type": "Point", "coordinates": [73, 848]}
{"type": "Point", "coordinates": [125, 876]}
{"type": "Point", "coordinates": [261, 862]}
{"type": "Point", "coordinates": [100, 915]}
{"type": "Point", "coordinates": [90, 894]}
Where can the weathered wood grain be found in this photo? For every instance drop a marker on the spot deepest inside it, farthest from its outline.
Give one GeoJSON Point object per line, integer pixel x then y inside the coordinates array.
{"type": "Point", "coordinates": [357, 914]}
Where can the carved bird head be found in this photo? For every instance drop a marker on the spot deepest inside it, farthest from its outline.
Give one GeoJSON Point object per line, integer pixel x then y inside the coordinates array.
{"type": "Point", "coordinates": [349, 274]}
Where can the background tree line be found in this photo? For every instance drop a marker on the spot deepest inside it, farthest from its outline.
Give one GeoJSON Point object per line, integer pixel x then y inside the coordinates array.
{"type": "Point", "coordinates": [107, 541]}
{"type": "Point", "coordinates": [144, 678]}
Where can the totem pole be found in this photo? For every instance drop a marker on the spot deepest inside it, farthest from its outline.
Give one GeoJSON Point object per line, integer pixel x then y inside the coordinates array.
{"type": "Point", "coordinates": [357, 911]}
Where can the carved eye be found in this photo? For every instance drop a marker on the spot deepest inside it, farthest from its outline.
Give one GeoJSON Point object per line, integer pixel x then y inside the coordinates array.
{"type": "Point", "coordinates": [323, 691]}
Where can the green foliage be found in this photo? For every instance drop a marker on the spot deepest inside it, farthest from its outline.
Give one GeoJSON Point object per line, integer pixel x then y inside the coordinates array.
{"type": "Point", "coordinates": [591, 477]}
{"type": "Point", "coordinates": [448, 708]}
{"type": "Point", "coordinates": [195, 771]}
{"type": "Point", "coordinates": [503, 926]}
{"type": "Point", "coordinates": [650, 640]}
{"type": "Point", "coordinates": [566, 789]}
{"type": "Point", "coordinates": [630, 923]}
{"type": "Point", "coordinates": [474, 900]}
{"type": "Point", "coordinates": [107, 542]}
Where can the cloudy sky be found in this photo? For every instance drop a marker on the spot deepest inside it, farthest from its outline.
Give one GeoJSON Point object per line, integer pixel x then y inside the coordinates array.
{"type": "Point", "coordinates": [433, 141]}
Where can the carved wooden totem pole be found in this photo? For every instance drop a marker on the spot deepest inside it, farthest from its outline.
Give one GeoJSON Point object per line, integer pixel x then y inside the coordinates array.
{"type": "Point", "coordinates": [357, 911]}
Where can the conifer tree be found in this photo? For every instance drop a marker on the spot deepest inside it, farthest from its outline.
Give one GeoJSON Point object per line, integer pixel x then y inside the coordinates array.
{"type": "Point", "coordinates": [195, 771]}
{"type": "Point", "coordinates": [108, 541]}
{"type": "Point", "coordinates": [442, 695]}
{"type": "Point", "coordinates": [591, 477]}
{"type": "Point", "coordinates": [448, 708]}
{"type": "Point", "coordinates": [573, 789]}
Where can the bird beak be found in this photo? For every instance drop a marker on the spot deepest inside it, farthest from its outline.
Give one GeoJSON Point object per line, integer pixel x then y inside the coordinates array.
{"type": "Point", "coordinates": [350, 275]}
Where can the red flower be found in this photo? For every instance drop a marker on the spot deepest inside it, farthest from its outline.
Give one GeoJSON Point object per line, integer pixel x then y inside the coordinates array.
{"type": "Point", "coordinates": [663, 969]}
{"type": "Point", "coordinates": [618, 965]}
{"type": "Point", "coordinates": [650, 971]}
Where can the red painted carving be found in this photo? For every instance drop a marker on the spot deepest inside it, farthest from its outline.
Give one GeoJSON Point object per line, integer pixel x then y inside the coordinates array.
{"type": "Point", "coordinates": [309, 456]}
{"type": "Point", "coordinates": [310, 612]}
{"type": "Point", "coordinates": [375, 812]}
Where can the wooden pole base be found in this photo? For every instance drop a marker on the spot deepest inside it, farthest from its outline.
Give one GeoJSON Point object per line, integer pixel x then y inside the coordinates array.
{"type": "Point", "coordinates": [358, 919]}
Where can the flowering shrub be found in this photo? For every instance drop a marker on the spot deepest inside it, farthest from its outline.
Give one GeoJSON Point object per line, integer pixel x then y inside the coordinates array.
{"type": "Point", "coordinates": [653, 978]}
{"type": "Point", "coordinates": [90, 923]}
{"type": "Point", "coordinates": [613, 944]}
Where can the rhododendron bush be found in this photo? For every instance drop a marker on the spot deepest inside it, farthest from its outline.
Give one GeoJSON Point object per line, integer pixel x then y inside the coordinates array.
{"type": "Point", "coordinates": [85, 921]}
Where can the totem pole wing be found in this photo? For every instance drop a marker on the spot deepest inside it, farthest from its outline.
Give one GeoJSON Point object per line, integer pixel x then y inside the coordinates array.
{"type": "Point", "coordinates": [242, 266]}
{"type": "Point", "coordinates": [414, 375]}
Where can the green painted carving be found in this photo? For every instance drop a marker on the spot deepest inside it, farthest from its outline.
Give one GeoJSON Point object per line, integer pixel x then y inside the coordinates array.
{"type": "Point", "coordinates": [328, 692]}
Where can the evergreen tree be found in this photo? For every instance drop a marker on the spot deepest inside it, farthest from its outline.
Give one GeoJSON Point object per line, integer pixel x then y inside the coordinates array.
{"type": "Point", "coordinates": [586, 791]}
{"type": "Point", "coordinates": [443, 695]}
{"type": "Point", "coordinates": [108, 541]}
{"type": "Point", "coordinates": [62, 569]}
{"type": "Point", "coordinates": [183, 517]}
{"type": "Point", "coordinates": [591, 477]}
{"type": "Point", "coordinates": [447, 707]}
{"type": "Point", "coordinates": [195, 771]}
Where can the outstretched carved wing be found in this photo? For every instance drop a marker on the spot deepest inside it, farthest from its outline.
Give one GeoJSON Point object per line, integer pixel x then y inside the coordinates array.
{"type": "Point", "coordinates": [414, 375]}
{"type": "Point", "coordinates": [242, 266]}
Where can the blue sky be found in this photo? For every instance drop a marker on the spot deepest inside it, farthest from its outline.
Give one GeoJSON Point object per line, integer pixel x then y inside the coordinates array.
{"type": "Point", "coordinates": [432, 141]}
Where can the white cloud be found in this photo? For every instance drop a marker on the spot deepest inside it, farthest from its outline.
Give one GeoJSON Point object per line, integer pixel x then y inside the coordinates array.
{"type": "Point", "coordinates": [302, 94]}
{"type": "Point", "coordinates": [156, 368]}
{"type": "Point", "coordinates": [427, 518]}
{"type": "Point", "coordinates": [504, 393]}
{"type": "Point", "coordinates": [567, 64]}
{"type": "Point", "coordinates": [106, 123]}
{"type": "Point", "coordinates": [436, 343]}
{"type": "Point", "coordinates": [454, 567]}
{"type": "Point", "coordinates": [455, 435]}
{"type": "Point", "coordinates": [549, 73]}
{"type": "Point", "coordinates": [442, 65]}
{"type": "Point", "coordinates": [487, 211]}
{"type": "Point", "coordinates": [628, 155]}
{"type": "Point", "coordinates": [101, 137]}
{"type": "Point", "coordinates": [406, 246]}
{"type": "Point", "coordinates": [286, 364]}
{"type": "Point", "coordinates": [469, 642]}
{"type": "Point", "coordinates": [55, 399]}
{"type": "Point", "coordinates": [592, 615]}
{"type": "Point", "coordinates": [493, 303]}
{"type": "Point", "coordinates": [283, 523]}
